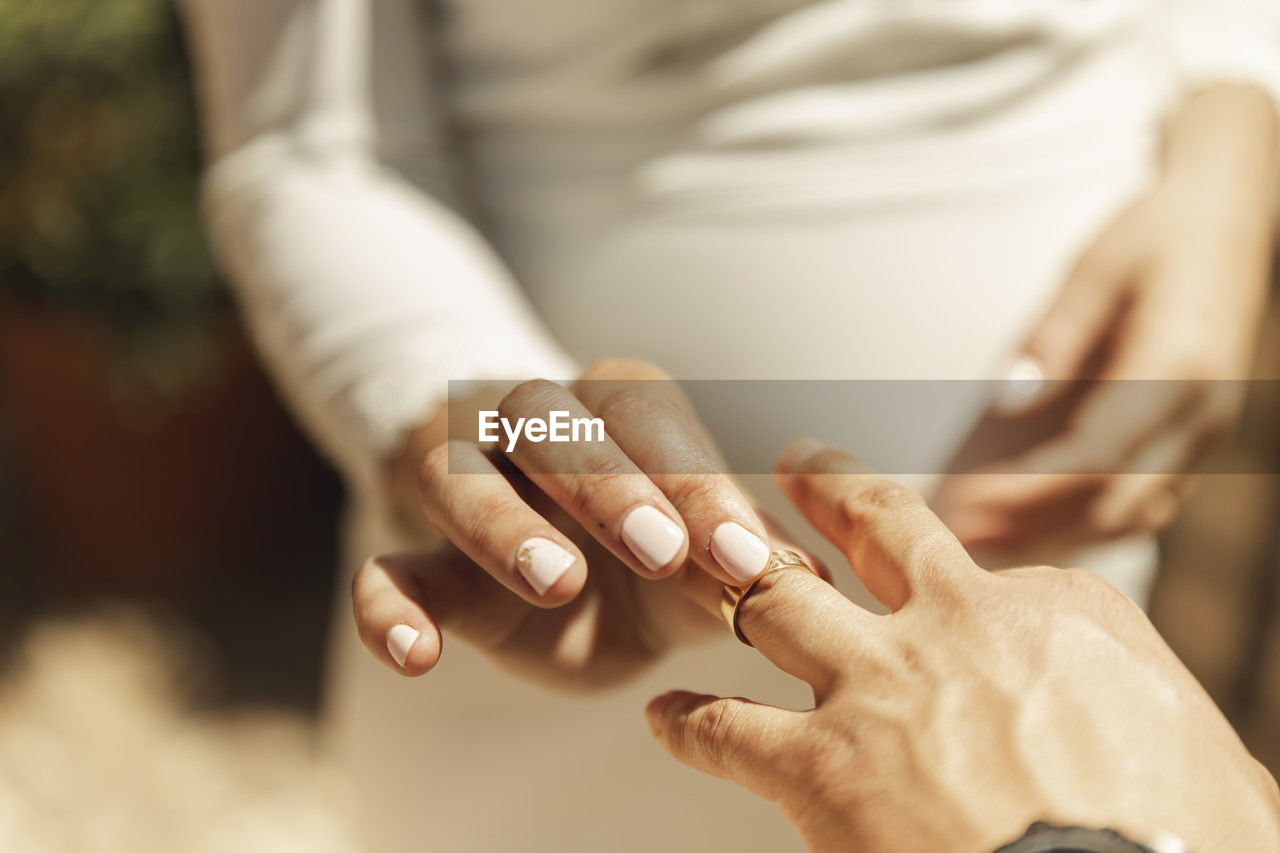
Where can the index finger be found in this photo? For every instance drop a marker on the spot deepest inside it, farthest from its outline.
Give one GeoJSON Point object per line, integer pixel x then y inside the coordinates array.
{"type": "Point", "coordinates": [894, 542]}
{"type": "Point", "coordinates": [647, 414]}
{"type": "Point", "coordinates": [804, 626]}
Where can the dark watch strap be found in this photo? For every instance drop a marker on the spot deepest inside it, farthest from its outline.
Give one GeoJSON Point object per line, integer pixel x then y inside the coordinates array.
{"type": "Point", "coordinates": [1044, 837]}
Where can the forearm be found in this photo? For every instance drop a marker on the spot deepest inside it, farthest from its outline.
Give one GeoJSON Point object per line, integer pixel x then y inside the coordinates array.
{"type": "Point", "coordinates": [367, 298]}
{"type": "Point", "coordinates": [328, 206]}
{"type": "Point", "coordinates": [1226, 140]}
{"type": "Point", "coordinates": [1220, 177]}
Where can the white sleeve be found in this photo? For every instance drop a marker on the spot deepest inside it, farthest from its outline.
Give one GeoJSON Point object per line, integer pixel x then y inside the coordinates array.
{"type": "Point", "coordinates": [364, 290]}
{"type": "Point", "coordinates": [1221, 41]}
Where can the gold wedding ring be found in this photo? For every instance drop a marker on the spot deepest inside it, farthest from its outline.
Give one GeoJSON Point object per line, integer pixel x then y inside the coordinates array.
{"type": "Point", "coordinates": [732, 597]}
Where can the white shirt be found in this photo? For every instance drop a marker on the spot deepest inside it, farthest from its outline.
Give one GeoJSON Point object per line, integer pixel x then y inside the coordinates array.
{"type": "Point", "coordinates": [335, 186]}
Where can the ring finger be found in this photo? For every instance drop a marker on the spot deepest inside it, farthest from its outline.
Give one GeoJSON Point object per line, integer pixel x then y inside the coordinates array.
{"type": "Point", "coordinates": [469, 500]}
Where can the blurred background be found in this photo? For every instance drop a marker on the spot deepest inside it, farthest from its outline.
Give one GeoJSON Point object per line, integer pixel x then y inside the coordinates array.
{"type": "Point", "coordinates": [167, 537]}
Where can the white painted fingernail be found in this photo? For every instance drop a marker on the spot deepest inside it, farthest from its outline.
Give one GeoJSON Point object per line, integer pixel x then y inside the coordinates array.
{"type": "Point", "coordinates": [400, 640]}
{"type": "Point", "coordinates": [1022, 384]}
{"type": "Point", "coordinates": [739, 551]}
{"type": "Point", "coordinates": [541, 562]}
{"type": "Point", "coordinates": [651, 536]}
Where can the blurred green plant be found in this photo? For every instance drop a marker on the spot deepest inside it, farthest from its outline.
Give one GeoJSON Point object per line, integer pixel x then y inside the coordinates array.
{"type": "Point", "coordinates": [99, 163]}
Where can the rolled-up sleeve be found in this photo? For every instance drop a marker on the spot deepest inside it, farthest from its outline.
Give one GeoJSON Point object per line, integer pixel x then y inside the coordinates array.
{"type": "Point", "coordinates": [328, 201]}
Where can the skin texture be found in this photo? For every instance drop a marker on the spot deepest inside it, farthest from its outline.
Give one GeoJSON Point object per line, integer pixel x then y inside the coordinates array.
{"type": "Point", "coordinates": [608, 616]}
{"type": "Point", "coordinates": [981, 703]}
{"type": "Point", "coordinates": [1173, 289]}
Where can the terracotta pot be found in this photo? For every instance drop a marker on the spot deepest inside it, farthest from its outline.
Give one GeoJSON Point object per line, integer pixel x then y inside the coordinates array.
{"type": "Point", "coordinates": [174, 504]}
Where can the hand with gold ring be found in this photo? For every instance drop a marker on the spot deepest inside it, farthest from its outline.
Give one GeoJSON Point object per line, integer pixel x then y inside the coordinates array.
{"type": "Point", "coordinates": [731, 597]}
{"type": "Point", "coordinates": [646, 507]}
{"type": "Point", "coordinates": [980, 704]}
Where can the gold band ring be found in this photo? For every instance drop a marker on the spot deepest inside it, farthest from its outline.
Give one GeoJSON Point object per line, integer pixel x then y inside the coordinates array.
{"type": "Point", "coordinates": [732, 597]}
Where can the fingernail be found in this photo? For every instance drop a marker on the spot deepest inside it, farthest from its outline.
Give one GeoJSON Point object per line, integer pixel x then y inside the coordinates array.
{"type": "Point", "coordinates": [739, 551]}
{"type": "Point", "coordinates": [400, 640]}
{"type": "Point", "coordinates": [651, 536]}
{"type": "Point", "coordinates": [1022, 384]}
{"type": "Point", "coordinates": [541, 562]}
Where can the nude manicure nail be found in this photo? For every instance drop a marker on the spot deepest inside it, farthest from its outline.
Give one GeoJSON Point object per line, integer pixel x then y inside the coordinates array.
{"type": "Point", "coordinates": [739, 551]}
{"type": "Point", "coordinates": [1023, 383]}
{"type": "Point", "coordinates": [400, 640]}
{"type": "Point", "coordinates": [651, 536]}
{"type": "Point", "coordinates": [541, 562]}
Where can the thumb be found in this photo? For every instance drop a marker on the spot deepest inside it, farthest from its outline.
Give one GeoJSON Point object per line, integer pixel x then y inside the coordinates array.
{"type": "Point", "coordinates": [1059, 346]}
{"type": "Point", "coordinates": [735, 739]}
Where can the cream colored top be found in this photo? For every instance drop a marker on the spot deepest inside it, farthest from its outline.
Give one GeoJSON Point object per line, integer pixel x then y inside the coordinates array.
{"type": "Point", "coordinates": [347, 137]}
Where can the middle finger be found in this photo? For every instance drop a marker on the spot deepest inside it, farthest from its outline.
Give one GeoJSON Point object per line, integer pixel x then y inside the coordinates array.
{"type": "Point", "coordinates": [594, 481]}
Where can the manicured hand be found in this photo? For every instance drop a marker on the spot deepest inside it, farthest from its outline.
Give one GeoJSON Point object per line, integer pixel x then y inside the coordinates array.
{"type": "Point", "coordinates": [557, 550]}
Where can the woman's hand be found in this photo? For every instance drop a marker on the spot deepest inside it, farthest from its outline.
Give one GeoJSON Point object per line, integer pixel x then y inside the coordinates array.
{"type": "Point", "coordinates": [1173, 290]}
{"type": "Point", "coordinates": [982, 703]}
{"type": "Point", "coordinates": [648, 502]}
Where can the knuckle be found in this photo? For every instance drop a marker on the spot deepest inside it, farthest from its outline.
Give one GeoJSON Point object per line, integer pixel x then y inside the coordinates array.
{"type": "Point", "coordinates": [478, 525]}
{"type": "Point", "coordinates": [696, 489]}
{"type": "Point", "coordinates": [713, 727]}
{"type": "Point", "coordinates": [632, 402]}
{"type": "Point", "coordinates": [610, 479]}
{"type": "Point", "coordinates": [878, 496]}
{"type": "Point", "coordinates": [536, 395]}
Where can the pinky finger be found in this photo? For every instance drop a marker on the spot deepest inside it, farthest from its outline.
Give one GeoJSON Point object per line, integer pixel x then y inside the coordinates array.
{"type": "Point", "coordinates": [389, 604]}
